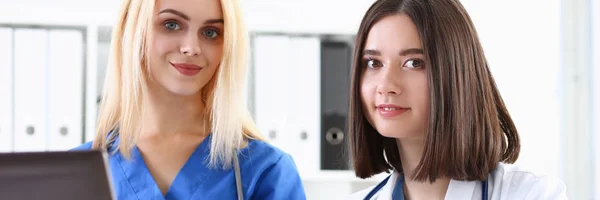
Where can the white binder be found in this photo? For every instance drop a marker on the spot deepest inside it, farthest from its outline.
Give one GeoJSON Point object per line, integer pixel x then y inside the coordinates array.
{"type": "Point", "coordinates": [304, 103]}
{"type": "Point", "coordinates": [30, 53]}
{"type": "Point", "coordinates": [271, 92]}
{"type": "Point", "coordinates": [6, 86]}
{"type": "Point", "coordinates": [65, 89]}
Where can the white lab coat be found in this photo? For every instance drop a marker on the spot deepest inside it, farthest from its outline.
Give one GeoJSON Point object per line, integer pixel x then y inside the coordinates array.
{"type": "Point", "coordinates": [507, 182]}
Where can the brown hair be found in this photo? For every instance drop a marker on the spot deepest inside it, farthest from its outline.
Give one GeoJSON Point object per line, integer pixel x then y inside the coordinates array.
{"type": "Point", "coordinates": [469, 129]}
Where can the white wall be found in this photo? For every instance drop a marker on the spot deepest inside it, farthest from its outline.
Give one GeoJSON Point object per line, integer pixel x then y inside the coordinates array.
{"type": "Point", "coordinates": [576, 59]}
{"type": "Point", "coordinates": [596, 98]}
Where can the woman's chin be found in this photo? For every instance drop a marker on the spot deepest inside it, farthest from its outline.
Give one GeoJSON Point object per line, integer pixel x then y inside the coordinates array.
{"type": "Point", "coordinates": [183, 90]}
{"type": "Point", "coordinates": [391, 135]}
{"type": "Point", "coordinates": [397, 135]}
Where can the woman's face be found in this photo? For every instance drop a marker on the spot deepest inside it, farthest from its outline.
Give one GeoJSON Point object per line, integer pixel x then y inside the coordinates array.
{"type": "Point", "coordinates": [393, 86]}
{"type": "Point", "coordinates": [187, 44]}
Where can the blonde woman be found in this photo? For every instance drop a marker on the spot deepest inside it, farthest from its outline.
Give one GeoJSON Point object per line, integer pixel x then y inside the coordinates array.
{"type": "Point", "coordinates": [173, 117]}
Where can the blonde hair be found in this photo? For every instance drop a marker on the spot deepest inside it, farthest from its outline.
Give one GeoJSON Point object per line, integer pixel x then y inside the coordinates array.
{"type": "Point", "coordinates": [125, 82]}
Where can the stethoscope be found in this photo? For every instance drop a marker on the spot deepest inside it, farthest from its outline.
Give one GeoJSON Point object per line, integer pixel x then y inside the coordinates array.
{"type": "Point", "coordinates": [398, 193]}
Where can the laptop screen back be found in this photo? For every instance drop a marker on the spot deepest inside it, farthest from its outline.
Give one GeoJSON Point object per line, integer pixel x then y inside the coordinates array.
{"type": "Point", "coordinates": [55, 175]}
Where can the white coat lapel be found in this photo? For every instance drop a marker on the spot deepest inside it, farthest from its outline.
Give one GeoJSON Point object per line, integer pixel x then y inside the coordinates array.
{"type": "Point", "coordinates": [386, 191]}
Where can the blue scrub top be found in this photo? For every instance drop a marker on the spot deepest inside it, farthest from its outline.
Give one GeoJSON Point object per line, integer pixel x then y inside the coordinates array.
{"type": "Point", "coordinates": [266, 172]}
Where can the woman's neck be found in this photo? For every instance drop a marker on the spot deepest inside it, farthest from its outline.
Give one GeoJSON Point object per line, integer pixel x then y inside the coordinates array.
{"type": "Point", "coordinates": [410, 151]}
{"type": "Point", "coordinates": [165, 113]}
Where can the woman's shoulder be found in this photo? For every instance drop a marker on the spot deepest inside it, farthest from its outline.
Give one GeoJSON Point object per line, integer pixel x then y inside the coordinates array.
{"type": "Point", "coordinates": [263, 151]}
{"type": "Point", "coordinates": [271, 172]}
{"type": "Point", "coordinates": [523, 183]}
{"type": "Point", "coordinates": [518, 174]}
{"type": "Point", "coordinates": [260, 158]}
{"type": "Point", "coordinates": [260, 145]}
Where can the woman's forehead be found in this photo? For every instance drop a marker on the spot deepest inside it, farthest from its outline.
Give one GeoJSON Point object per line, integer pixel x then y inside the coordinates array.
{"type": "Point", "coordinates": [194, 10]}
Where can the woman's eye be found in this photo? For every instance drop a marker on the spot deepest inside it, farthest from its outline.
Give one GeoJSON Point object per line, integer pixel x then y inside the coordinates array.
{"type": "Point", "coordinates": [414, 64]}
{"type": "Point", "coordinates": [172, 26]}
{"type": "Point", "coordinates": [211, 33]}
{"type": "Point", "coordinates": [373, 64]}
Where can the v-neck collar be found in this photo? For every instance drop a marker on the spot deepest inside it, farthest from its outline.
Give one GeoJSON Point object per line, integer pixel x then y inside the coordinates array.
{"type": "Point", "coordinates": [187, 180]}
